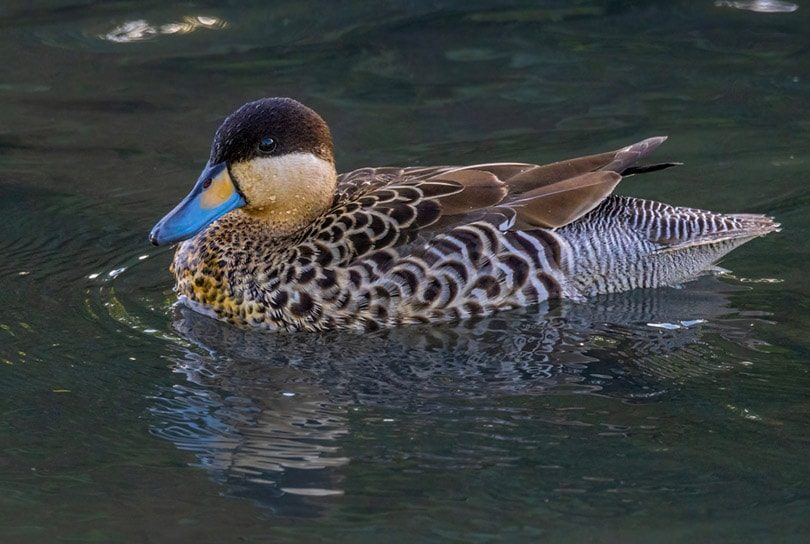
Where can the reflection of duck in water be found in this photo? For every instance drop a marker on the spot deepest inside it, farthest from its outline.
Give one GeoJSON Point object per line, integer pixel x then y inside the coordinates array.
{"type": "Point", "coordinates": [274, 415]}
{"type": "Point", "coordinates": [275, 239]}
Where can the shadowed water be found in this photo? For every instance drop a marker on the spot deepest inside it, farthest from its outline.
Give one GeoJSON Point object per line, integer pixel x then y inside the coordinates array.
{"type": "Point", "coordinates": [664, 415]}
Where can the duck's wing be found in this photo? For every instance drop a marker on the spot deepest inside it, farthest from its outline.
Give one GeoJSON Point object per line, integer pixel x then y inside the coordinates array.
{"type": "Point", "coordinates": [354, 184]}
{"type": "Point", "coordinates": [550, 195]}
{"type": "Point", "coordinates": [378, 208]}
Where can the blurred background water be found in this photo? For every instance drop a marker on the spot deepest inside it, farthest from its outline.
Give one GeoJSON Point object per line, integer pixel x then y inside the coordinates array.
{"type": "Point", "coordinates": [673, 415]}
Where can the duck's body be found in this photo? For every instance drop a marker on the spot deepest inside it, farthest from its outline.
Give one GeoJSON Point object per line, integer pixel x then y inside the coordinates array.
{"type": "Point", "coordinates": [393, 246]}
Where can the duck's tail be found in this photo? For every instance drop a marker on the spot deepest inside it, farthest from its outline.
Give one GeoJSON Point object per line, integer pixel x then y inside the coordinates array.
{"type": "Point", "coordinates": [627, 243]}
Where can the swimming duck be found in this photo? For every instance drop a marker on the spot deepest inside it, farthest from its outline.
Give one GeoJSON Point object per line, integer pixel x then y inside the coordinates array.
{"type": "Point", "coordinates": [272, 237]}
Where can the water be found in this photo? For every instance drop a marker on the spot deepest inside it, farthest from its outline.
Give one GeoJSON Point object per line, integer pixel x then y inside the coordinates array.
{"type": "Point", "coordinates": [671, 415]}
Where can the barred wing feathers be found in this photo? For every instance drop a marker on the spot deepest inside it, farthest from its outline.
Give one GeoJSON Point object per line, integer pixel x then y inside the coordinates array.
{"type": "Point", "coordinates": [379, 208]}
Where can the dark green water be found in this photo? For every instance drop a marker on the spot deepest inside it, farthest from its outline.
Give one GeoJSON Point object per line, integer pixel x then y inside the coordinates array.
{"type": "Point", "coordinates": [676, 415]}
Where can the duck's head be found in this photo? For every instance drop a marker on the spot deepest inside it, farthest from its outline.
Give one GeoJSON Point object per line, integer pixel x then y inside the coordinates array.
{"type": "Point", "coordinates": [272, 159]}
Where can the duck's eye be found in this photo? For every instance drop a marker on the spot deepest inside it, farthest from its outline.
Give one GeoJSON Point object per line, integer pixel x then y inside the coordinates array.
{"type": "Point", "coordinates": [267, 145]}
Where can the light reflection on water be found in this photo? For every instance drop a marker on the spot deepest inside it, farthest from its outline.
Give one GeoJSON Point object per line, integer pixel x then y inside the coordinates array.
{"type": "Point", "coordinates": [761, 6]}
{"type": "Point", "coordinates": [139, 30]}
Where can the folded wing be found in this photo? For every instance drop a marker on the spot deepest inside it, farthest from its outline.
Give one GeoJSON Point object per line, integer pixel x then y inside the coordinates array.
{"type": "Point", "coordinates": [377, 208]}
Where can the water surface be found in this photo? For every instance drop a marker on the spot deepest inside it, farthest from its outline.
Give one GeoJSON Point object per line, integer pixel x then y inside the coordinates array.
{"type": "Point", "coordinates": [672, 415]}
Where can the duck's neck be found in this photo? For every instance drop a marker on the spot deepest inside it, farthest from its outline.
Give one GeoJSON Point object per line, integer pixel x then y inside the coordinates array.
{"type": "Point", "coordinates": [245, 240]}
{"type": "Point", "coordinates": [270, 226]}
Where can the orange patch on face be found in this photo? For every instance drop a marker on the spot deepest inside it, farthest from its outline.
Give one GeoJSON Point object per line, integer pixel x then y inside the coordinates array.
{"type": "Point", "coordinates": [220, 190]}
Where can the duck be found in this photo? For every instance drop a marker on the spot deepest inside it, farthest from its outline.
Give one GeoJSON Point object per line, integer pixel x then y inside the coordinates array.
{"type": "Point", "coordinates": [272, 237]}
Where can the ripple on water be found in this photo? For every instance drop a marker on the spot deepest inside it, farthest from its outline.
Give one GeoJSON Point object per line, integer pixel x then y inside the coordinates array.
{"type": "Point", "coordinates": [277, 415]}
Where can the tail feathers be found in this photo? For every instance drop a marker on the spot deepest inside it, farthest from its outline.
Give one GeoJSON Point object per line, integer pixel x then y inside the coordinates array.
{"type": "Point", "coordinates": [626, 243]}
{"type": "Point", "coordinates": [757, 223]}
{"type": "Point", "coordinates": [710, 229]}
{"type": "Point", "coordinates": [646, 168]}
{"type": "Point", "coordinates": [630, 155]}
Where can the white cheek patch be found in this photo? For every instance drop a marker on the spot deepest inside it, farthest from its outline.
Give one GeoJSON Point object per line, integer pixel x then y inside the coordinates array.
{"type": "Point", "coordinates": [269, 180]}
{"type": "Point", "coordinates": [288, 190]}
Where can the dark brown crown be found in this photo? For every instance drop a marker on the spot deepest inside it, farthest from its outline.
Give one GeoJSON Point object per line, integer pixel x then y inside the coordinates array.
{"type": "Point", "coordinates": [292, 126]}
